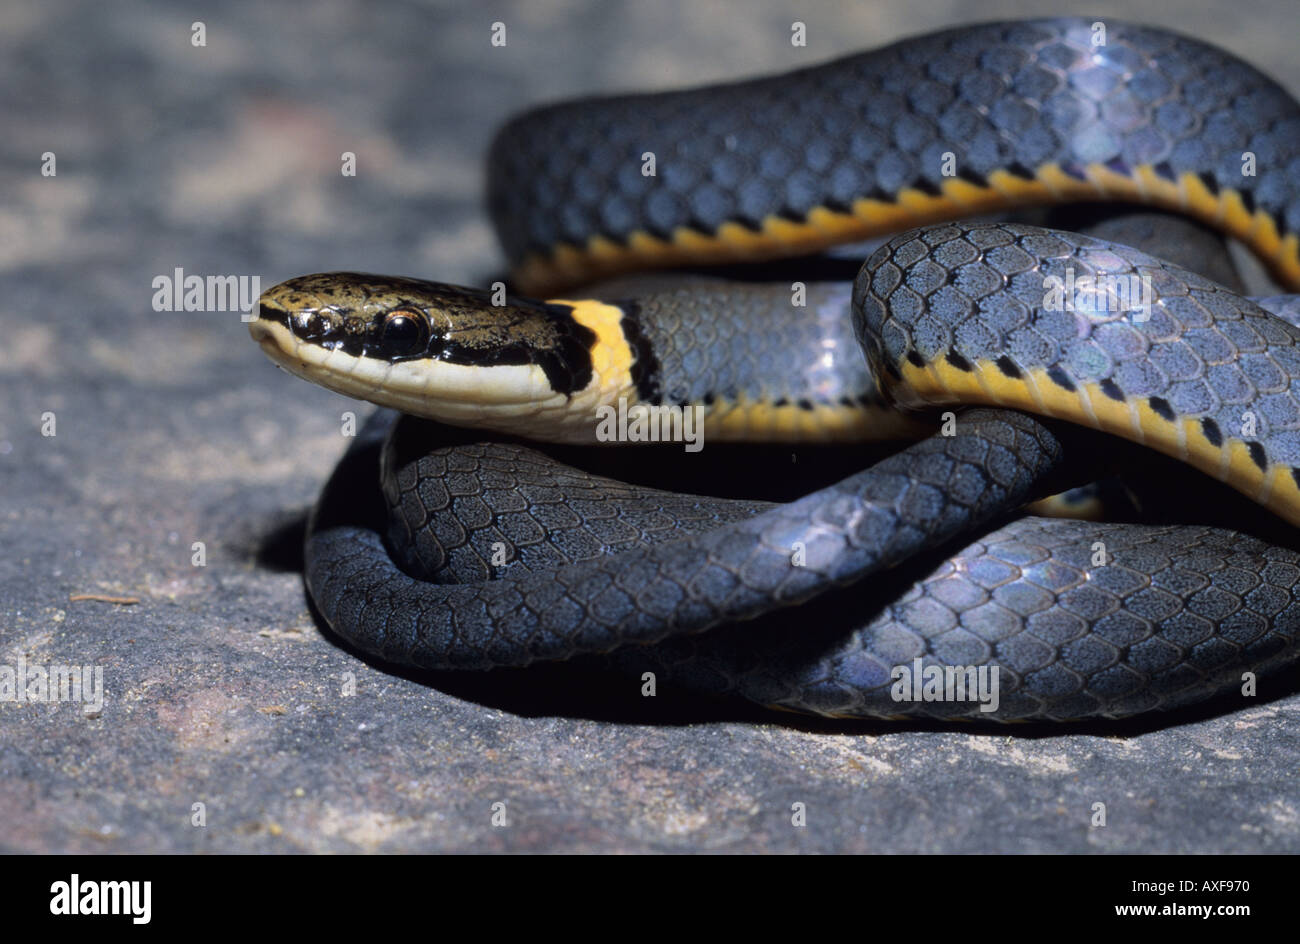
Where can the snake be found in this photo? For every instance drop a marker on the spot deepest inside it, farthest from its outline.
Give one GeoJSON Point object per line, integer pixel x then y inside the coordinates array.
{"type": "Point", "coordinates": [451, 536]}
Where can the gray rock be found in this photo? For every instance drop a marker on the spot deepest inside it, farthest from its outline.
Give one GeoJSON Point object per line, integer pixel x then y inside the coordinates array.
{"type": "Point", "coordinates": [171, 428]}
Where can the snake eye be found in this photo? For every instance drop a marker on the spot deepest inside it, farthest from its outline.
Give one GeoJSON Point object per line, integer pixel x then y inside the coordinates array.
{"type": "Point", "coordinates": [402, 333]}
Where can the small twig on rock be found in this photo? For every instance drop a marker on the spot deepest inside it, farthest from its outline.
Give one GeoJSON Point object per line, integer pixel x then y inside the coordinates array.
{"type": "Point", "coordinates": [103, 598]}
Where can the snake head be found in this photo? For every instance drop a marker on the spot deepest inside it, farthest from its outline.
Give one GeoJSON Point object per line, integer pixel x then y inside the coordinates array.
{"type": "Point", "coordinates": [459, 355]}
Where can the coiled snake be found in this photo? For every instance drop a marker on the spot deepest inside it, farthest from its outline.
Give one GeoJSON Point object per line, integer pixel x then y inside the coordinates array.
{"type": "Point", "coordinates": [470, 550]}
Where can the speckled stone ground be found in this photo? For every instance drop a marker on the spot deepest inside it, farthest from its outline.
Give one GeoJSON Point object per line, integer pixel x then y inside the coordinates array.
{"type": "Point", "coordinates": [171, 428]}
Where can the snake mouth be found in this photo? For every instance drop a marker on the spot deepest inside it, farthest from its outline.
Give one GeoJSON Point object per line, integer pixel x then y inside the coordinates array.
{"type": "Point", "coordinates": [278, 345]}
{"type": "Point", "coordinates": [261, 332]}
{"type": "Point", "coordinates": [257, 328]}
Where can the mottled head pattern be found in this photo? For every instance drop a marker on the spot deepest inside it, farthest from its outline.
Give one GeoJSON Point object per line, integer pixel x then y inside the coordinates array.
{"type": "Point", "coordinates": [395, 319]}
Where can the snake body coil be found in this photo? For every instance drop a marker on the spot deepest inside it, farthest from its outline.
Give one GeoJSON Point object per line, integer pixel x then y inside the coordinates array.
{"type": "Point", "coordinates": [789, 604]}
{"type": "Point", "coordinates": [941, 126]}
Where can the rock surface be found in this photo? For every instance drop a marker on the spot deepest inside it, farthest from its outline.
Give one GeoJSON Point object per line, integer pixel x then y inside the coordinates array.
{"type": "Point", "coordinates": [171, 428]}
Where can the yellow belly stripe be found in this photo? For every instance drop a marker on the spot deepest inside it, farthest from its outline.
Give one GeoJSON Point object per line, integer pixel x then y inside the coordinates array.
{"type": "Point", "coordinates": [601, 257]}
{"type": "Point", "coordinates": [1059, 506]}
{"type": "Point", "coordinates": [752, 420]}
{"type": "Point", "coordinates": [939, 383]}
